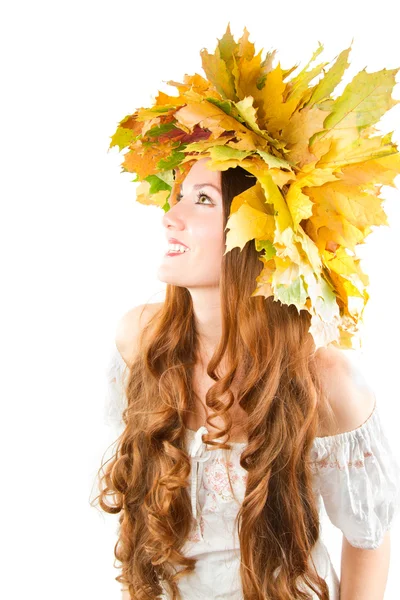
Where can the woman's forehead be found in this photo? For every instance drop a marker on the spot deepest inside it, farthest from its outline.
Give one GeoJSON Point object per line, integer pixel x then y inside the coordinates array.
{"type": "Point", "coordinates": [201, 174]}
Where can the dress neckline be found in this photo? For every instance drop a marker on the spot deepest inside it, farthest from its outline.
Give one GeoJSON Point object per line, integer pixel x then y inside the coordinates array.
{"type": "Point", "coordinates": [193, 432]}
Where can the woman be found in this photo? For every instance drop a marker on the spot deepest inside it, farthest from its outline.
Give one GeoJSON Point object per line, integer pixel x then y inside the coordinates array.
{"type": "Point", "coordinates": [171, 396]}
{"type": "Point", "coordinates": [233, 428]}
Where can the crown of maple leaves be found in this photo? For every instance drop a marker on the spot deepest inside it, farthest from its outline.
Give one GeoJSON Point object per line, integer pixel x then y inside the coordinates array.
{"type": "Point", "coordinates": [319, 163]}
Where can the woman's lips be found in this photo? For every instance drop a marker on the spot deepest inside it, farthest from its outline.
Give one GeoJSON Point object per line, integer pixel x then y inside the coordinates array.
{"type": "Point", "coordinates": [171, 253]}
{"type": "Point", "coordinates": [175, 241]}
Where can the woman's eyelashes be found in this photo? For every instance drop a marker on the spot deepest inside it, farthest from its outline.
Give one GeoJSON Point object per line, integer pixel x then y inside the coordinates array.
{"type": "Point", "coordinates": [198, 196]}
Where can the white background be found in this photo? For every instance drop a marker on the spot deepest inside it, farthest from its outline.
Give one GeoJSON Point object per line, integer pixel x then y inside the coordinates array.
{"type": "Point", "coordinates": [77, 251]}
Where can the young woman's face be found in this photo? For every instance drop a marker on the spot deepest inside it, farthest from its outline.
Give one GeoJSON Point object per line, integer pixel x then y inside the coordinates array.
{"type": "Point", "coordinates": [196, 220]}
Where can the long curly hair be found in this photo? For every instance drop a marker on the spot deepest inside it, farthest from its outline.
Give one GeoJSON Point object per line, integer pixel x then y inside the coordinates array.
{"type": "Point", "coordinates": [280, 391]}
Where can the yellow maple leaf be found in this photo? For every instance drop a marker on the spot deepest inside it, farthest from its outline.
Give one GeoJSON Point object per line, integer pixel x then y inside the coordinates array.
{"type": "Point", "coordinates": [343, 263]}
{"type": "Point", "coordinates": [264, 279]}
{"type": "Point", "coordinates": [216, 70]}
{"type": "Point", "coordinates": [300, 128]}
{"type": "Point", "coordinates": [383, 169]}
{"type": "Point", "coordinates": [254, 197]}
{"type": "Point", "coordinates": [298, 86]}
{"type": "Point", "coordinates": [332, 78]}
{"type": "Point", "coordinates": [249, 114]}
{"type": "Point", "coordinates": [299, 204]}
{"type": "Point", "coordinates": [249, 219]}
{"type": "Point", "coordinates": [209, 116]}
{"type": "Point", "coordinates": [361, 209]}
{"type": "Point", "coordinates": [340, 232]}
{"type": "Point", "coordinates": [143, 162]}
{"type": "Point", "coordinates": [246, 72]}
{"type": "Point", "coordinates": [144, 197]}
{"type": "Point", "coordinates": [272, 193]}
{"type": "Point", "coordinates": [273, 113]}
{"type": "Point", "coordinates": [350, 147]}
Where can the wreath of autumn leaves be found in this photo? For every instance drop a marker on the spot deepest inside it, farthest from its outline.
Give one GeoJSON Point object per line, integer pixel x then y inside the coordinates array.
{"type": "Point", "coordinates": [319, 162]}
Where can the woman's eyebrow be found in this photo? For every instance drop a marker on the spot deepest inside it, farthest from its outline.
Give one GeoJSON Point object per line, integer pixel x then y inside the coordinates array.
{"type": "Point", "coordinates": [200, 185]}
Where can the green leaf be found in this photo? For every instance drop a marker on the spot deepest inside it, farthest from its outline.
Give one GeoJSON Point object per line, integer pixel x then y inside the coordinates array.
{"type": "Point", "coordinates": [227, 47]}
{"type": "Point", "coordinates": [154, 111]}
{"type": "Point", "coordinates": [172, 161]}
{"type": "Point", "coordinates": [295, 293]}
{"type": "Point", "coordinates": [167, 176]}
{"type": "Point", "coordinates": [364, 101]}
{"type": "Point", "coordinates": [267, 246]}
{"type": "Point", "coordinates": [156, 184]}
{"type": "Point", "coordinates": [122, 138]}
{"type": "Point", "coordinates": [224, 105]}
{"type": "Point", "coordinates": [227, 153]}
{"type": "Point", "coordinates": [274, 161]}
{"type": "Point", "coordinates": [160, 129]}
{"type": "Point", "coordinates": [163, 109]}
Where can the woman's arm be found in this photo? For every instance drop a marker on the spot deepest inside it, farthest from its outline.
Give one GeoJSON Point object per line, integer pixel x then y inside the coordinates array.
{"type": "Point", "coordinates": [364, 573]}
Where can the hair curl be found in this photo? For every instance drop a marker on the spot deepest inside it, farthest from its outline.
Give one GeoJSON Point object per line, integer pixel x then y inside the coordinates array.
{"type": "Point", "coordinates": [282, 395]}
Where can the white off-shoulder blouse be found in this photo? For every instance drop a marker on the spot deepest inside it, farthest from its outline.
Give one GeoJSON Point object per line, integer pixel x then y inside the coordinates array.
{"type": "Point", "coordinates": [356, 476]}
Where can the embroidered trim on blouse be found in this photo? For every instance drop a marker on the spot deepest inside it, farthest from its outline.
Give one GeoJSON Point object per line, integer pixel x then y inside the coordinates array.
{"type": "Point", "coordinates": [357, 464]}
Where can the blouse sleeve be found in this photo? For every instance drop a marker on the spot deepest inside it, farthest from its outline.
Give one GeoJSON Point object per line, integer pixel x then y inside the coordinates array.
{"type": "Point", "coordinates": [358, 477]}
{"type": "Point", "coordinates": [115, 397]}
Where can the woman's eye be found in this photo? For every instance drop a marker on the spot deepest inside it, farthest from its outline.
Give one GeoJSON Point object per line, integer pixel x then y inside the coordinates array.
{"type": "Point", "coordinates": [199, 195]}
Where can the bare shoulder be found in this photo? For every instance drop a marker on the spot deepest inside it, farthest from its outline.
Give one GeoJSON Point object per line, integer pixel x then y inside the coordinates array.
{"type": "Point", "coordinates": [351, 397]}
{"type": "Point", "coordinates": [130, 326]}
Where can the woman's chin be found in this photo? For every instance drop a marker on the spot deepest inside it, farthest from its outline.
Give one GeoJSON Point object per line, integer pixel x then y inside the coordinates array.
{"type": "Point", "coordinates": [167, 277]}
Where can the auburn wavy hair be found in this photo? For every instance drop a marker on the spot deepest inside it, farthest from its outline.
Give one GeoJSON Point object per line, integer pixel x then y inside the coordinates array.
{"type": "Point", "coordinates": [281, 392]}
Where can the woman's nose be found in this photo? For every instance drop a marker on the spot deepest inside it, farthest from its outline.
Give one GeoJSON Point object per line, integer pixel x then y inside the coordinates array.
{"type": "Point", "coordinates": [173, 216]}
